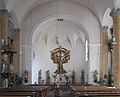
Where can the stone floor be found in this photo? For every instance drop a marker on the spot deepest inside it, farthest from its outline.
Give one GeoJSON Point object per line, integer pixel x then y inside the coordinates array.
{"type": "Point", "coordinates": [67, 94]}
{"type": "Point", "coordinates": [64, 94]}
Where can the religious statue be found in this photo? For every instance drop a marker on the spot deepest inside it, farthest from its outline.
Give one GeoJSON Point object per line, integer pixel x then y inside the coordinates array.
{"type": "Point", "coordinates": [82, 77]}
{"type": "Point", "coordinates": [25, 76]}
{"type": "Point", "coordinates": [4, 64]}
{"type": "Point", "coordinates": [67, 79]}
{"type": "Point", "coordinates": [105, 80]}
{"type": "Point", "coordinates": [73, 77]}
{"type": "Point", "coordinates": [55, 78]}
{"type": "Point", "coordinates": [48, 77]}
{"type": "Point", "coordinates": [40, 77]}
{"type": "Point", "coordinates": [3, 69]}
{"type": "Point", "coordinates": [5, 58]}
{"type": "Point", "coordinates": [5, 83]}
{"type": "Point", "coordinates": [95, 76]}
{"type": "Point", "coordinates": [11, 68]}
{"type": "Point", "coordinates": [60, 56]}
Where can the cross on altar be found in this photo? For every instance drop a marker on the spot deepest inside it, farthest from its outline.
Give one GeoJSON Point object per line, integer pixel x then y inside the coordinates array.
{"type": "Point", "coordinates": [60, 56]}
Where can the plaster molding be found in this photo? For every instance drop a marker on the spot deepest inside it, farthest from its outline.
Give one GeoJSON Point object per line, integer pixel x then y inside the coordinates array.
{"type": "Point", "coordinates": [105, 29]}
{"type": "Point", "coordinates": [115, 12]}
{"type": "Point", "coordinates": [4, 12]}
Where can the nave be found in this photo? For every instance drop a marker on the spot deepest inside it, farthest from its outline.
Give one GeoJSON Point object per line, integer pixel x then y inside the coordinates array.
{"type": "Point", "coordinates": [62, 42]}
{"type": "Point", "coordinates": [62, 91]}
{"type": "Point", "coordinates": [64, 94]}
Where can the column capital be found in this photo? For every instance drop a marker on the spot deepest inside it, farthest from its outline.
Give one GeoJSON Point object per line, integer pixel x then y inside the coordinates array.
{"type": "Point", "coordinates": [105, 29]}
{"type": "Point", "coordinates": [4, 12]}
{"type": "Point", "coordinates": [17, 31]}
{"type": "Point", "coordinates": [115, 12]}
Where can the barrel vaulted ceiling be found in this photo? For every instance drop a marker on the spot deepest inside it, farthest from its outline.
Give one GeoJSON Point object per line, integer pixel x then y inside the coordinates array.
{"type": "Point", "coordinates": [97, 8]}
{"type": "Point", "coordinates": [23, 7]}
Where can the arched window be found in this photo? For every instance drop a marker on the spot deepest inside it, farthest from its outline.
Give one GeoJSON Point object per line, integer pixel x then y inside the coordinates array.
{"type": "Point", "coordinates": [86, 51]}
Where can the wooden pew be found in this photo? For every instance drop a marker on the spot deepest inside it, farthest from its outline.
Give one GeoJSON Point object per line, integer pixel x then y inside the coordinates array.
{"type": "Point", "coordinates": [94, 91]}
{"type": "Point", "coordinates": [16, 94]}
{"type": "Point", "coordinates": [32, 91]}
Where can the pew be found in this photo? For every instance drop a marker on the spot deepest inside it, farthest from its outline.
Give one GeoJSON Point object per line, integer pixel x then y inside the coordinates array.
{"type": "Point", "coordinates": [79, 91]}
{"type": "Point", "coordinates": [24, 91]}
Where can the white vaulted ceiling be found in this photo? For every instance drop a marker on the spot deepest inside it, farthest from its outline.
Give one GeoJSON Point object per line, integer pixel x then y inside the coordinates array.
{"type": "Point", "coordinates": [23, 7]}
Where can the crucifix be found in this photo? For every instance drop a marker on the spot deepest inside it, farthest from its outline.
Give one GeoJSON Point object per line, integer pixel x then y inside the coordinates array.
{"type": "Point", "coordinates": [60, 56]}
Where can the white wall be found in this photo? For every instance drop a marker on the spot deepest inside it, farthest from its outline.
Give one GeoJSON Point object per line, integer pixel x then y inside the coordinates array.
{"type": "Point", "coordinates": [94, 61]}
{"type": "Point", "coordinates": [43, 61]}
{"type": "Point", "coordinates": [75, 44]}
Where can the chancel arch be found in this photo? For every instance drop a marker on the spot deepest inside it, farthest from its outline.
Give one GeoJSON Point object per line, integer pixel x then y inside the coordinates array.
{"type": "Point", "coordinates": [35, 18]}
{"type": "Point", "coordinates": [44, 44]}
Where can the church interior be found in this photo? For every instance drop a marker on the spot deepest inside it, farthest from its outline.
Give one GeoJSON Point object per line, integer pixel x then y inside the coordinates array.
{"type": "Point", "coordinates": [59, 48]}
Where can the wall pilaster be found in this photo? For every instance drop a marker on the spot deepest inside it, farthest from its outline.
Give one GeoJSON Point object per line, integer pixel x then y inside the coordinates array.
{"type": "Point", "coordinates": [115, 13]}
{"type": "Point", "coordinates": [16, 46]}
{"type": "Point", "coordinates": [4, 15]}
{"type": "Point", "coordinates": [104, 67]}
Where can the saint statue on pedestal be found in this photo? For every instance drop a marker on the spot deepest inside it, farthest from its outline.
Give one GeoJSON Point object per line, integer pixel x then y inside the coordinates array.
{"type": "Point", "coordinates": [95, 76]}
{"type": "Point", "coordinates": [25, 76]}
{"type": "Point", "coordinates": [82, 77]}
{"type": "Point", "coordinates": [40, 77]}
{"type": "Point", "coordinates": [73, 77]}
{"type": "Point", "coordinates": [4, 65]}
{"type": "Point", "coordinates": [48, 77]}
{"type": "Point", "coordinates": [105, 80]}
{"type": "Point", "coordinates": [3, 68]}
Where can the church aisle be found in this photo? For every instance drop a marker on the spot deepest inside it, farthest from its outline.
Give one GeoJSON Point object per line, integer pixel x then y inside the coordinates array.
{"type": "Point", "coordinates": [64, 94]}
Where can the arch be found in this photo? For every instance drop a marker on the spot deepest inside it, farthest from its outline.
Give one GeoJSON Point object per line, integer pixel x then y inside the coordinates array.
{"type": "Point", "coordinates": [107, 18]}
{"type": "Point", "coordinates": [14, 19]}
{"type": "Point", "coordinates": [47, 12]}
{"type": "Point", "coordinates": [74, 15]}
{"type": "Point", "coordinates": [64, 16]}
